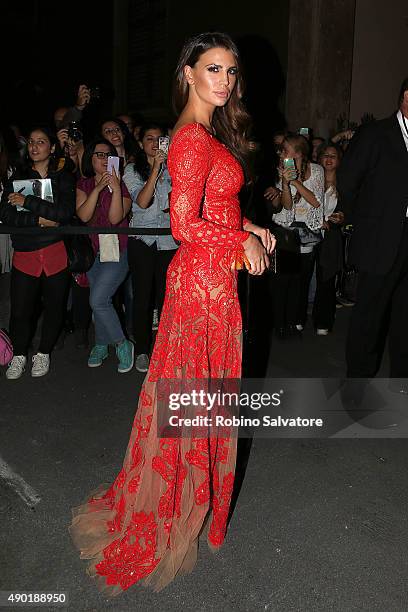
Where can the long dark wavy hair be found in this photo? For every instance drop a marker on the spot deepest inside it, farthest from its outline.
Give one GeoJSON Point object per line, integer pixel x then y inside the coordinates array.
{"type": "Point", "coordinates": [231, 122]}
{"type": "Point", "coordinates": [128, 140]}
{"type": "Point", "coordinates": [141, 165]}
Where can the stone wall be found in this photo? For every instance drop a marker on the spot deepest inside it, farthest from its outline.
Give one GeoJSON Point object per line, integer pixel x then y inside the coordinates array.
{"type": "Point", "coordinates": [380, 57]}
{"type": "Point", "coordinates": [320, 47]}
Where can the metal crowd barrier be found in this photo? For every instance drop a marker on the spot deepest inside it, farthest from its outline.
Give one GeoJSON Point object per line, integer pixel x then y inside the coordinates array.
{"type": "Point", "coordinates": [81, 229]}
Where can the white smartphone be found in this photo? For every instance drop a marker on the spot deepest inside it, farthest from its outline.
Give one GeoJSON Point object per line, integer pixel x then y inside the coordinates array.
{"type": "Point", "coordinates": [113, 163]}
{"type": "Point", "coordinates": [164, 144]}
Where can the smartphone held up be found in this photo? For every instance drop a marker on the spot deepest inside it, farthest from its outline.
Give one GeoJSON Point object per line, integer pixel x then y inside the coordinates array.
{"type": "Point", "coordinates": [289, 162]}
{"type": "Point", "coordinates": [113, 165]}
{"type": "Point", "coordinates": [164, 142]}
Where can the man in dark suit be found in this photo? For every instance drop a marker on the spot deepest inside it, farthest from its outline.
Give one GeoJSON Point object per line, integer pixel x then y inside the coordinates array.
{"type": "Point", "coordinates": [373, 191]}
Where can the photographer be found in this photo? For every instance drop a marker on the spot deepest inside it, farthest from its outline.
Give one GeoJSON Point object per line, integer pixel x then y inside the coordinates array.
{"type": "Point", "coordinates": [103, 201]}
{"type": "Point", "coordinates": [149, 185]}
{"type": "Point", "coordinates": [68, 123]}
{"type": "Point", "coordinates": [298, 202]}
{"type": "Point", "coordinates": [64, 115]}
{"type": "Point", "coordinates": [72, 146]}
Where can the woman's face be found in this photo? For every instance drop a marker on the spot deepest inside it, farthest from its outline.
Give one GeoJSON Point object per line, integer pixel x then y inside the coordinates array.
{"type": "Point", "coordinates": [150, 142]}
{"type": "Point", "coordinates": [112, 132]}
{"type": "Point", "coordinates": [330, 159]}
{"type": "Point", "coordinates": [100, 158]}
{"type": "Point", "coordinates": [290, 151]}
{"type": "Point", "coordinates": [213, 77]}
{"type": "Point", "coordinates": [39, 146]}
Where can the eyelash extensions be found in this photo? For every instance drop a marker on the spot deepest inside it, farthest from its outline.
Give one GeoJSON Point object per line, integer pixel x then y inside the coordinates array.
{"type": "Point", "coordinates": [232, 71]}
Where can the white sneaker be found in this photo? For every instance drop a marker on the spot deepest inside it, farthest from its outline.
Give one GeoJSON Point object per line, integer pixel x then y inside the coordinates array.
{"type": "Point", "coordinates": [16, 367]}
{"type": "Point", "coordinates": [299, 327]}
{"type": "Point", "coordinates": [41, 365]}
{"type": "Point", "coordinates": [322, 332]}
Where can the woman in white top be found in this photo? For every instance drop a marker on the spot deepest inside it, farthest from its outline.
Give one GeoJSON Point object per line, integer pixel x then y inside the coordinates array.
{"type": "Point", "coordinates": [299, 200]}
{"type": "Point", "coordinates": [330, 250]}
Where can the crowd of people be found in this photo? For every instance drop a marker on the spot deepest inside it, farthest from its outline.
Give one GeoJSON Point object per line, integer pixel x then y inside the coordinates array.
{"type": "Point", "coordinates": [294, 192]}
{"type": "Point", "coordinates": [123, 292]}
{"type": "Point", "coordinates": [308, 228]}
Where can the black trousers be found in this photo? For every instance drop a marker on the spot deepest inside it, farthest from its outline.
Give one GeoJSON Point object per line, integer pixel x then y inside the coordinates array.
{"type": "Point", "coordinates": [81, 310]}
{"type": "Point", "coordinates": [381, 306]}
{"type": "Point", "coordinates": [324, 306]}
{"type": "Point", "coordinates": [291, 288]}
{"type": "Point", "coordinates": [25, 292]}
{"type": "Point", "coordinates": [148, 269]}
{"type": "Point", "coordinates": [307, 261]}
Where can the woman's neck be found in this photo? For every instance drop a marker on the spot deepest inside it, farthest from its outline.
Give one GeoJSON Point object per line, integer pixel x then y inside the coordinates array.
{"type": "Point", "coordinates": [41, 167]}
{"type": "Point", "coordinates": [197, 112]}
{"type": "Point", "coordinates": [330, 177]}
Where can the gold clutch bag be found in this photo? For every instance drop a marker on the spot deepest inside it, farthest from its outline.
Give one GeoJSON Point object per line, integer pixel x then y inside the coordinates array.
{"type": "Point", "coordinates": [241, 262]}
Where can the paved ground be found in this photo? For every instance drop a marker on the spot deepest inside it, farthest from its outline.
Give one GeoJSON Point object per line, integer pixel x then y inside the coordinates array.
{"type": "Point", "coordinates": [319, 525]}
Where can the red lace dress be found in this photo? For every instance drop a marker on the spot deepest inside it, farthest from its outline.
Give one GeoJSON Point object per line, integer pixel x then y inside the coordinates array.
{"type": "Point", "coordinates": [145, 526]}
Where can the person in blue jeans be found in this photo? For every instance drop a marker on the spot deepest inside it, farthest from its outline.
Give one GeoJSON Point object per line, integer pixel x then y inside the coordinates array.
{"type": "Point", "coordinates": [103, 201]}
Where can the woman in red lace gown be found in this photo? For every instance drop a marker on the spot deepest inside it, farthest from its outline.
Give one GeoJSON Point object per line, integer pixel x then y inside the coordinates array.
{"type": "Point", "coordinates": [145, 526]}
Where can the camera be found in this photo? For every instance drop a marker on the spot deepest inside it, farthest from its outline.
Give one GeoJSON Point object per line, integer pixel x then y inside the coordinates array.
{"type": "Point", "coordinates": [74, 133]}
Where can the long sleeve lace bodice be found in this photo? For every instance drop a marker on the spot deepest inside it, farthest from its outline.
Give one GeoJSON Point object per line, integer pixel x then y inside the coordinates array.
{"type": "Point", "coordinates": [206, 179]}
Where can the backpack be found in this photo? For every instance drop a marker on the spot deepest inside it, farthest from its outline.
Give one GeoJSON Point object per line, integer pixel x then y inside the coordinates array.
{"type": "Point", "coordinates": [6, 348]}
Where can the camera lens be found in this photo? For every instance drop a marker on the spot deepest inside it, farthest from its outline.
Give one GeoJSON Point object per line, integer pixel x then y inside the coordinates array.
{"type": "Point", "coordinates": [74, 133]}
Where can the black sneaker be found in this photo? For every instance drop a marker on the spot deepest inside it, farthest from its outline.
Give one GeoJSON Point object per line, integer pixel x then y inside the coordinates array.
{"type": "Point", "coordinates": [345, 301]}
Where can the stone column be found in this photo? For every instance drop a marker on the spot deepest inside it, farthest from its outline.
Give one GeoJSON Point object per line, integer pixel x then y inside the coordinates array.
{"type": "Point", "coordinates": [320, 56]}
